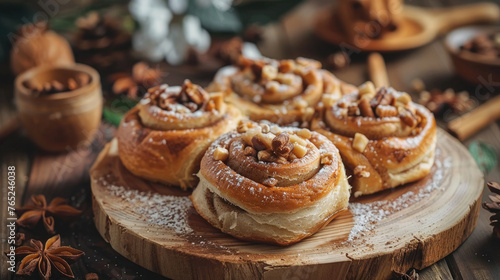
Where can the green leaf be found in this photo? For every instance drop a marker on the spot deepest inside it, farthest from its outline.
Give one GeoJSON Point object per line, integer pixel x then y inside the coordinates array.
{"type": "Point", "coordinates": [116, 109]}
{"type": "Point", "coordinates": [485, 156]}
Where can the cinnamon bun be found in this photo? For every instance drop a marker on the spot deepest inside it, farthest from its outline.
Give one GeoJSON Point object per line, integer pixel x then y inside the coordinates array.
{"type": "Point", "coordinates": [271, 184]}
{"type": "Point", "coordinates": [282, 92]}
{"type": "Point", "coordinates": [163, 138]}
{"type": "Point", "coordinates": [385, 139]}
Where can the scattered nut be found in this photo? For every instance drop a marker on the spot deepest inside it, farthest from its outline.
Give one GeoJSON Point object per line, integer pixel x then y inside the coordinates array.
{"type": "Point", "coordinates": [353, 110]}
{"type": "Point", "coordinates": [296, 139]}
{"type": "Point", "coordinates": [249, 151]}
{"type": "Point", "coordinates": [304, 133]}
{"type": "Point", "coordinates": [221, 153]}
{"type": "Point", "coordinates": [275, 129]}
{"type": "Point", "coordinates": [386, 111]}
{"type": "Point", "coordinates": [359, 142]}
{"type": "Point", "coordinates": [257, 143]}
{"type": "Point", "coordinates": [299, 150]}
{"type": "Point", "coordinates": [270, 182]}
{"type": "Point", "coordinates": [273, 86]}
{"type": "Point", "coordinates": [280, 141]}
{"type": "Point", "coordinates": [359, 171]}
{"type": "Point", "coordinates": [368, 88]}
{"type": "Point", "coordinates": [265, 127]}
{"type": "Point", "coordinates": [269, 72]}
{"type": "Point", "coordinates": [365, 109]}
{"type": "Point", "coordinates": [265, 156]}
{"type": "Point", "coordinates": [404, 98]}
{"type": "Point", "coordinates": [408, 117]}
{"type": "Point", "coordinates": [327, 159]}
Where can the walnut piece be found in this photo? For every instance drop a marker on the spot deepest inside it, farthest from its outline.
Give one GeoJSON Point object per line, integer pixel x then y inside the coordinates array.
{"type": "Point", "coordinates": [365, 109]}
{"type": "Point", "coordinates": [270, 182]}
{"type": "Point", "coordinates": [359, 143]}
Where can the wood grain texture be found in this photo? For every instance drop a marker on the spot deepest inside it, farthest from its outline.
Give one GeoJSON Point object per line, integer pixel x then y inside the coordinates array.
{"type": "Point", "coordinates": [421, 223]}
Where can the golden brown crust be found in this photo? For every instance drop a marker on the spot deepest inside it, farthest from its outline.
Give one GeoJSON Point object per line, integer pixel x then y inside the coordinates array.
{"type": "Point", "coordinates": [285, 98]}
{"type": "Point", "coordinates": [297, 205]}
{"type": "Point", "coordinates": [169, 156]}
{"type": "Point", "coordinates": [395, 153]}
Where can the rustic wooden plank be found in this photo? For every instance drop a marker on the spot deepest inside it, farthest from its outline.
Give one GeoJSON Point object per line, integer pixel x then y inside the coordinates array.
{"type": "Point", "coordinates": [420, 231]}
{"type": "Point", "coordinates": [13, 152]}
{"type": "Point", "coordinates": [439, 270]}
{"type": "Point", "coordinates": [479, 256]}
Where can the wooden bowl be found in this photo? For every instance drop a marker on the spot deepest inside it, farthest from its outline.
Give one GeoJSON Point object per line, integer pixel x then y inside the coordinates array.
{"type": "Point", "coordinates": [475, 68]}
{"type": "Point", "coordinates": [61, 121]}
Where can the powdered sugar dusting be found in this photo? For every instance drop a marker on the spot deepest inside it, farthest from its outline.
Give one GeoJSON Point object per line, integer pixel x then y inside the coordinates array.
{"type": "Point", "coordinates": [161, 210]}
{"type": "Point", "coordinates": [367, 215]}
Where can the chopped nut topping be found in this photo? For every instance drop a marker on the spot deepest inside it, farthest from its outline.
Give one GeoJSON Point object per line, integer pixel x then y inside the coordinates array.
{"type": "Point", "coordinates": [329, 100]}
{"type": "Point", "coordinates": [327, 159]}
{"type": "Point", "coordinates": [270, 182]}
{"type": "Point", "coordinates": [221, 153]}
{"type": "Point", "coordinates": [275, 129]}
{"type": "Point", "coordinates": [385, 111]}
{"type": "Point", "coordinates": [365, 109]}
{"type": "Point", "coordinates": [367, 89]}
{"type": "Point", "coordinates": [190, 96]}
{"type": "Point", "coordinates": [299, 150]}
{"type": "Point", "coordinates": [265, 156]}
{"type": "Point", "coordinates": [304, 133]}
{"type": "Point", "coordinates": [269, 72]}
{"type": "Point", "coordinates": [296, 139]}
{"type": "Point", "coordinates": [258, 143]}
{"type": "Point", "coordinates": [360, 171]}
{"type": "Point", "coordinates": [249, 151]}
{"type": "Point", "coordinates": [408, 117]}
{"type": "Point", "coordinates": [286, 78]}
{"type": "Point", "coordinates": [243, 126]}
{"type": "Point", "coordinates": [265, 128]}
{"type": "Point", "coordinates": [359, 143]}
{"type": "Point", "coordinates": [273, 86]}
{"type": "Point", "coordinates": [353, 110]}
{"type": "Point", "coordinates": [404, 98]}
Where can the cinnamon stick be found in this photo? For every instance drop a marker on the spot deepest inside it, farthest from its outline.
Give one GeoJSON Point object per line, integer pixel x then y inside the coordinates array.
{"type": "Point", "coordinates": [377, 70]}
{"type": "Point", "coordinates": [470, 123]}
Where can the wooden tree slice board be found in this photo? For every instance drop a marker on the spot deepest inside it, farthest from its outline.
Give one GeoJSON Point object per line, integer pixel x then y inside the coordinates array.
{"type": "Point", "coordinates": [411, 226]}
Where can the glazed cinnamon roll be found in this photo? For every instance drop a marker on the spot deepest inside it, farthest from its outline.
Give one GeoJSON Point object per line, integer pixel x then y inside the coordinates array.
{"type": "Point", "coordinates": [282, 92]}
{"type": "Point", "coordinates": [385, 139]}
{"type": "Point", "coordinates": [271, 184]}
{"type": "Point", "coordinates": [163, 138]}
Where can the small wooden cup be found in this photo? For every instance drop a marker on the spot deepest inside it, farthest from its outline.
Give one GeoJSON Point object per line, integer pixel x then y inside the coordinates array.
{"type": "Point", "coordinates": [61, 121]}
{"type": "Point", "coordinates": [473, 67]}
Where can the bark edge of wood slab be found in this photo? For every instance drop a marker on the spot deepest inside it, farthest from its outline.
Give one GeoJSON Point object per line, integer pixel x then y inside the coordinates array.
{"type": "Point", "coordinates": [432, 226]}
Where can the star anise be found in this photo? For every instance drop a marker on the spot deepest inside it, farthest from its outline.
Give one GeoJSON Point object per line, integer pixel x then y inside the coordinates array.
{"type": "Point", "coordinates": [45, 258]}
{"type": "Point", "coordinates": [494, 207]}
{"type": "Point", "coordinates": [410, 275]}
{"type": "Point", "coordinates": [38, 209]}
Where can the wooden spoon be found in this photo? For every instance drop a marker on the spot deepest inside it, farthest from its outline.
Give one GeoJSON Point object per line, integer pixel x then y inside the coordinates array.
{"type": "Point", "coordinates": [419, 26]}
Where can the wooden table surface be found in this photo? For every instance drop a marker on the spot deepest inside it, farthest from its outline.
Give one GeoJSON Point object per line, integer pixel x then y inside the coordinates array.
{"type": "Point", "coordinates": [66, 174]}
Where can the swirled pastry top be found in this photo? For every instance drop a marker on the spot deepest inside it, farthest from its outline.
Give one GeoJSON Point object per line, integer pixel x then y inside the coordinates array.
{"type": "Point", "coordinates": [377, 114]}
{"type": "Point", "coordinates": [270, 81]}
{"type": "Point", "coordinates": [186, 107]}
{"type": "Point", "coordinates": [264, 168]}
